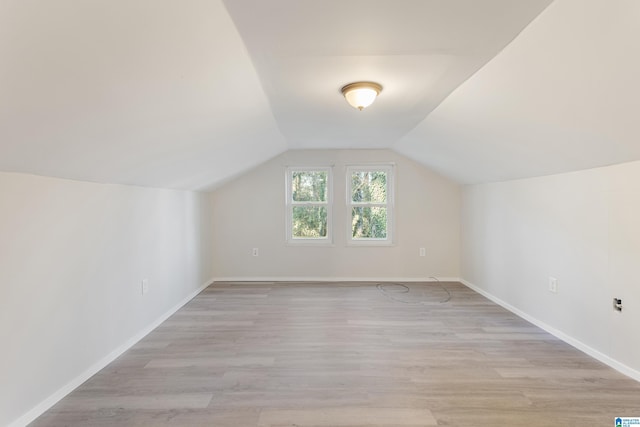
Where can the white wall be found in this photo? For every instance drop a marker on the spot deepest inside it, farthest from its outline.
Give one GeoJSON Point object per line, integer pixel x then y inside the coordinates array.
{"type": "Point", "coordinates": [250, 213]}
{"type": "Point", "coordinates": [582, 228]}
{"type": "Point", "coordinates": [72, 257]}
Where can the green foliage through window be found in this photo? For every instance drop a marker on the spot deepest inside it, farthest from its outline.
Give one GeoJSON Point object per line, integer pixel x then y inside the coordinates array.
{"type": "Point", "coordinates": [369, 203]}
{"type": "Point", "coordinates": [309, 194]}
{"type": "Point", "coordinates": [309, 186]}
{"type": "Point", "coordinates": [369, 186]}
{"type": "Point", "coordinates": [309, 222]}
{"type": "Point", "coordinates": [369, 223]}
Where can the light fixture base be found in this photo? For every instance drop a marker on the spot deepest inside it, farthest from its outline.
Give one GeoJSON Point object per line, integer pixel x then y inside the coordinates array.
{"type": "Point", "coordinates": [361, 94]}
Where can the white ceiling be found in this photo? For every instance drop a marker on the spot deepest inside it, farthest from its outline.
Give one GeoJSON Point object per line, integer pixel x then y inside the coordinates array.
{"type": "Point", "coordinates": [146, 92]}
{"type": "Point", "coordinates": [564, 96]}
{"type": "Point", "coordinates": [189, 94]}
{"type": "Point", "coordinates": [419, 50]}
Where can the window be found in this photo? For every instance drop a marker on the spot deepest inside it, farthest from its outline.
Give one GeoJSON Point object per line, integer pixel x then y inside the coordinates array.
{"type": "Point", "coordinates": [370, 204]}
{"type": "Point", "coordinates": [309, 205]}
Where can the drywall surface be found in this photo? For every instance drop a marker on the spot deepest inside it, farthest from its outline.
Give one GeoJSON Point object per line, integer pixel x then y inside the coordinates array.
{"type": "Point", "coordinates": [151, 93]}
{"type": "Point", "coordinates": [250, 213]}
{"type": "Point", "coordinates": [562, 96]}
{"type": "Point", "coordinates": [581, 228]}
{"type": "Point", "coordinates": [72, 258]}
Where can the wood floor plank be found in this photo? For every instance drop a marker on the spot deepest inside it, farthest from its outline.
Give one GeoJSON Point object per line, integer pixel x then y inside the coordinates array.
{"type": "Point", "coordinates": [347, 416]}
{"type": "Point", "coordinates": [148, 401]}
{"type": "Point", "coordinates": [347, 354]}
{"type": "Point", "coordinates": [185, 362]}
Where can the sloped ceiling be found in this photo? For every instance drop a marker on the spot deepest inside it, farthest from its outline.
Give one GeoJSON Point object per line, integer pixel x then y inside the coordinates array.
{"type": "Point", "coordinates": [564, 96]}
{"type": "Point", "coordinates": [188, 94]}
{"type": "Point", "coordinates": [147, 92]}
{"type": "Point", "coordinates": [419, 50]}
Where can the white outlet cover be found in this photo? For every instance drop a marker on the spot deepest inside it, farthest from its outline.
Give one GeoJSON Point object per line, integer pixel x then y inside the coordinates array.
{"type": "Point", "coordinates": [145, 286]}
{"type": "Point", "coordinates": [553, 285]}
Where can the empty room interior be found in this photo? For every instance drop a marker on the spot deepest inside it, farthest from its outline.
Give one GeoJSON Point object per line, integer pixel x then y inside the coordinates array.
{"type": "Point", "coordinates": [319, 213]}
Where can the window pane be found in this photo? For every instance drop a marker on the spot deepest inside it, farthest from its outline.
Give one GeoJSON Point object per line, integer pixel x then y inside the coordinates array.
{"type": "Point", "coordinates": [309, 186]}
{"type": "Point", "coordinates": [369, 223]}
{"type": "Point", "coordinates": [369, 187]}
{"type": "Point", "coordinates": [309, 222]}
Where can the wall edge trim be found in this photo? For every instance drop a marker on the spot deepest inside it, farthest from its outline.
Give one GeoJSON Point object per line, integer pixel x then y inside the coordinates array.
{"type": "Point", "coordinates": [62, 392]}
{"type": "Point", "coordinates": [332, 279]}
{"type": "Point", "coordinates": [596, 354]}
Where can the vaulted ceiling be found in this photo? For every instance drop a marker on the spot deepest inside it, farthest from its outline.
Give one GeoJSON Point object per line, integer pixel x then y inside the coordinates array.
{"type": "Point", "coordinates": [189, 94]}
{"type": "Point", "coordinates": [305, 51]}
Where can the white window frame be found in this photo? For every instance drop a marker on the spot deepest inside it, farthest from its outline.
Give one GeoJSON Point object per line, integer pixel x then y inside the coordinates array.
{"type": "Point", "coordinates": [389, 168]}
{"type": "Point", "coordinates": [290, 203]}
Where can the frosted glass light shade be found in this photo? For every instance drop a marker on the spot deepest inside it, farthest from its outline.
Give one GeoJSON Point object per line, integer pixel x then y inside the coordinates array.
{"type": "Point", "coordinates": [361, 94]}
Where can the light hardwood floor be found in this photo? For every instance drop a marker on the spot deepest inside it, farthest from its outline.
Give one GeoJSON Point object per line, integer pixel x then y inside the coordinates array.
{"type": "Point", "coordinates": [347, 354]}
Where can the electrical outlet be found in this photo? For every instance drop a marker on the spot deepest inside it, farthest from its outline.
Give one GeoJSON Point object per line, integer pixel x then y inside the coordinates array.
{"type": "Point", "coordinates": [145, 286]}
{"type": "Point", "coordinates": [255, 252]}
{"type": "Point", "coordinates": [553, 285]}
{"type": "Point", "coordinates": [617, 304]}
{"type": "Point", "coordinates": [423, 252]}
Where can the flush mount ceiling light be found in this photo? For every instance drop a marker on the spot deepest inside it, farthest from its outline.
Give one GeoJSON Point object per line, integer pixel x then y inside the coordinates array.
{"type": "Point", "coordinates": [361, 94]}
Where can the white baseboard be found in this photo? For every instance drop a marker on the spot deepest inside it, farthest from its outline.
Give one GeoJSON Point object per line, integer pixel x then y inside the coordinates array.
{"type": "Point", "coordinates": [333, 279]}
{"type": "Point", "coordinates": [73, 384]}
{"type": "Point", "coordinates": [618, 366]}
{"type": "Point", "coordinates": [43, 406]}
